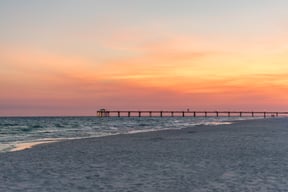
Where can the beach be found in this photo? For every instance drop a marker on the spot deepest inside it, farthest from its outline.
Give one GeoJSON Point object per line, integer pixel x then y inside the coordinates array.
{"type": "Point", "coordinates": [250, 155]}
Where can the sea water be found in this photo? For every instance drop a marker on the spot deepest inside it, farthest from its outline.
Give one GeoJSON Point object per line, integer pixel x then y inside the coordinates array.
{"type": "Point", "coordinates": [15, 131]}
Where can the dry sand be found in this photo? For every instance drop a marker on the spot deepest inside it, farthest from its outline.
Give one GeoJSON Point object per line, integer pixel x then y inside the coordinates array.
{"type": "Point", "coordinates": [245, 156]}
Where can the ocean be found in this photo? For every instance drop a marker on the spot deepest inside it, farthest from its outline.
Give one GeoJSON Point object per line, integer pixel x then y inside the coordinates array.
{"type": "Point", "coordinates": [15, 131]}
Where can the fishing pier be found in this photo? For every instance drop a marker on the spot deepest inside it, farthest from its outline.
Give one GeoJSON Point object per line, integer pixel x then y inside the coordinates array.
{"type": "Point", "coordinates": [187, 113]}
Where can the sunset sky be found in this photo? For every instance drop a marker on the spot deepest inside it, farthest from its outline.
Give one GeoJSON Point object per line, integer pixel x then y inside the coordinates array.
{"type": "Point", "coordinates": [72, 57]}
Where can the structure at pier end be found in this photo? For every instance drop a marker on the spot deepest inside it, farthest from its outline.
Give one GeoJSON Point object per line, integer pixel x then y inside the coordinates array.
{"type": "Point", "coordinates": [102, 113]}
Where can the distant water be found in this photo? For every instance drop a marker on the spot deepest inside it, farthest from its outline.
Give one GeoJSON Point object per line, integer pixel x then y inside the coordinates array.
{"type": "Point", "coordinates": [21, 130]}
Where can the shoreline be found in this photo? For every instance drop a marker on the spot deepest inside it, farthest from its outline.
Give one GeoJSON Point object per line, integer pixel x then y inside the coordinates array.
{"type": "Point", "coordinates": [31, 144]}
{"type": "Point", "coordinates": [247, 155]}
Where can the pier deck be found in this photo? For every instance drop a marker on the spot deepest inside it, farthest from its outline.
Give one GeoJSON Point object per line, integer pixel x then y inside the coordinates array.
{"type": "Point", "coordinates": [187, 113]}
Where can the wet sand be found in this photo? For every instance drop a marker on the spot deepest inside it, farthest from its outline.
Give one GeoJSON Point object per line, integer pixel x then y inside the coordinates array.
{"type": "Point", "coordinates": [245, 156]}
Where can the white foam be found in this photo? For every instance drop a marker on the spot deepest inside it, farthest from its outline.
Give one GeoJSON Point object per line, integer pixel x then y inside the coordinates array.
{"type": "Point", "coordinates": [149, 130]}
{"type": "Point", "coordinates": [218, 123]}
{"type": "Point", "coordinates": [30, 144]}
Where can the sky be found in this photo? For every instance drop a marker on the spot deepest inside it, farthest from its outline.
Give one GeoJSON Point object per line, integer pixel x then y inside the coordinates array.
{"type": "Point", "coordinates": [73, 57]}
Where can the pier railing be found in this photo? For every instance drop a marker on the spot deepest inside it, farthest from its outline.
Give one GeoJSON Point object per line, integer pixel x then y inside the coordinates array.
{"type": "Point", "coordinates": [187, 113]}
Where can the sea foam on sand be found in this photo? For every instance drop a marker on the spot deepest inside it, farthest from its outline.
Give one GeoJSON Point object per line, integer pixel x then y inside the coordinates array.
{"type": "Point", "coordinates": [245, 156]}
{"type": "Point", "coordinates": [23, 146]}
